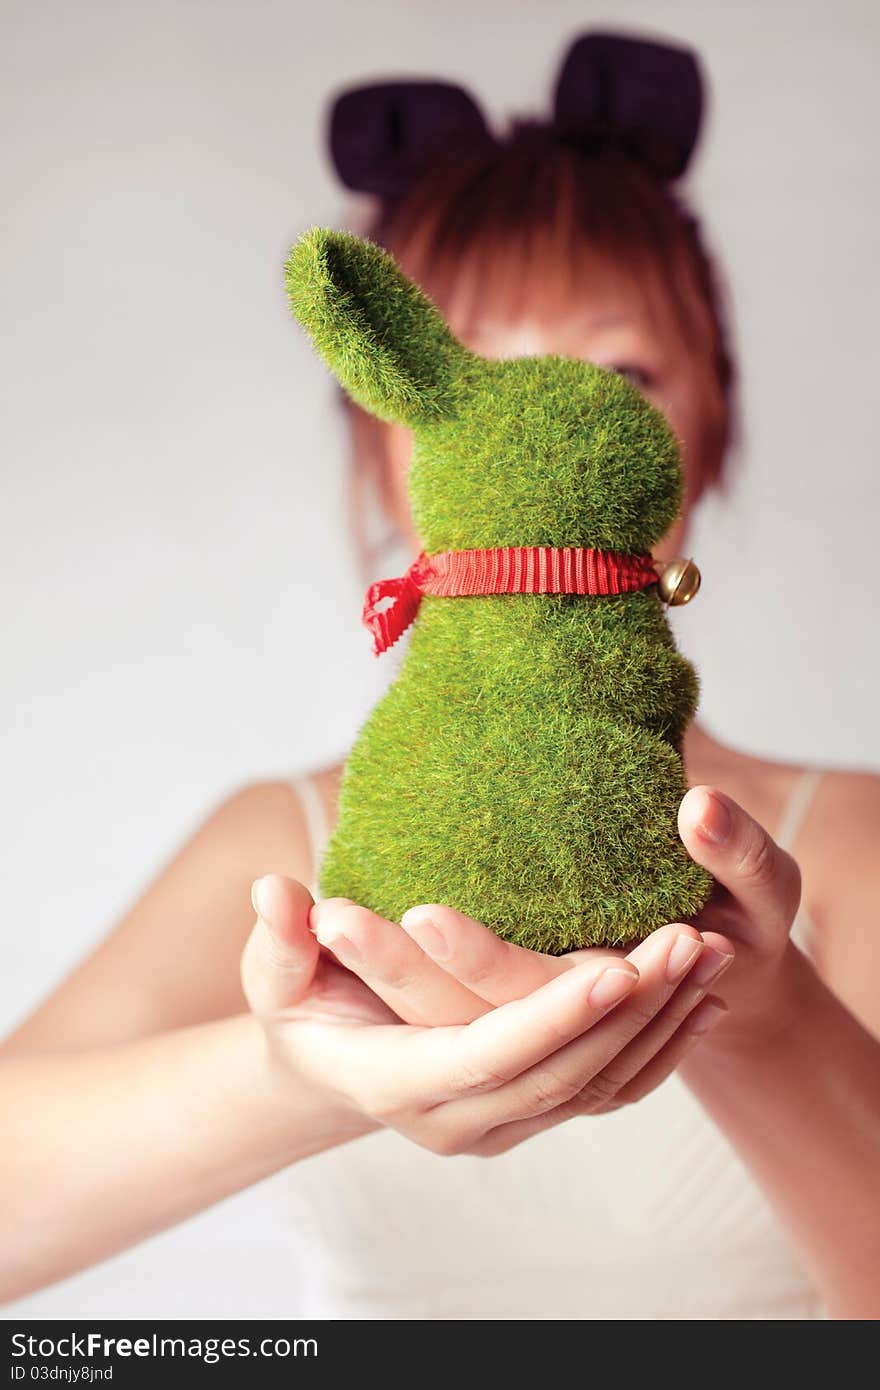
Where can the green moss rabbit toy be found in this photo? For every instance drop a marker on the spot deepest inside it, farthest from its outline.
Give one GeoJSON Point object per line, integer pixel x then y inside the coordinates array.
{"type": "Point", "coordinates": [525, 764]}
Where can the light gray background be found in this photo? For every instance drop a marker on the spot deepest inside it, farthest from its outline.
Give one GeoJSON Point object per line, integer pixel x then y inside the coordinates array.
{"type": "Point", "coordinates": [180, 609]}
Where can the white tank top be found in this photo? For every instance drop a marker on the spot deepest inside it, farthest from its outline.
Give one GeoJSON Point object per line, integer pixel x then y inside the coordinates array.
{"type": "Point", "coordinates": [645, 1213]}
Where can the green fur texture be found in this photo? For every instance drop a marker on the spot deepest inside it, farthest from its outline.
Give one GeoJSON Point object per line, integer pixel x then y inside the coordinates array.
{"type": "Point", "coordinates": [525, 764]}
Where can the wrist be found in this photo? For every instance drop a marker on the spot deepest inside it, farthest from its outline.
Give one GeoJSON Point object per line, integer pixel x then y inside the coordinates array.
{"type": "Point", "coordinates": [772, 1027]}
{"type": "Point", "coordinates": [303, 1107]}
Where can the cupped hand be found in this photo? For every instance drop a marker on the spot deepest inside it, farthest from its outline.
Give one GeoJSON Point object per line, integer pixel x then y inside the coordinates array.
{"type": "Point", "coordinates": [570, 1045]}
{"type": "Point", "coordinates": [466, 1043]}
{"type": "Point", "coordinates": [440, 966]}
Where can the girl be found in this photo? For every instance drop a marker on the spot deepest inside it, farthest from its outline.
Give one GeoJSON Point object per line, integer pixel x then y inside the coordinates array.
{"type": "Point", "coordinates": [197, 1051]}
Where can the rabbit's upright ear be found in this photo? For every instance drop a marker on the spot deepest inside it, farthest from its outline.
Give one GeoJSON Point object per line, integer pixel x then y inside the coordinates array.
{"type": "Point", "coordinates": [376, 330]}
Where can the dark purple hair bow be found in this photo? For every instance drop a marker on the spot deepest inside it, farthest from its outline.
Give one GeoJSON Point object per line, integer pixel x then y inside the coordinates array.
{"type": "Point", "coordinates": [641, 97]}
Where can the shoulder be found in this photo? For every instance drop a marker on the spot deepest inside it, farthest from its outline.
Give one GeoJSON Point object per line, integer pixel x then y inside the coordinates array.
{"type": "Point", "coordinates": [841, 840]}
{"type": "Point", "coordinates": [265, 822]}
{"type": "Point", "coordinates": [258, 814]}
{"type": "Point", "coordinates": [252, 829]}
{"type": "Point", "coordinates": [841, 836]}
{"type": "Point", "coordinates": [269, 817]}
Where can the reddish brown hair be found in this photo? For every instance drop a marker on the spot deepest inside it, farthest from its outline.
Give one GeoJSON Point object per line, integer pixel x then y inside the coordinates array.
{"type": "Point", "coordinates": [514, 223]}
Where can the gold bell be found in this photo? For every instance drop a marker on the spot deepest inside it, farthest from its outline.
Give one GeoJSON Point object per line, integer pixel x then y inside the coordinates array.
{"type": "Point", "coordinates": [679, 581]}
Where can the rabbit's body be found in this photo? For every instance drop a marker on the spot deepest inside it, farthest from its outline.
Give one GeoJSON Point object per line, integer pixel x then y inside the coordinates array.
{"type": "Point", "coordinates": [524, 766]}
{"type": "Point", "coordinates": [520, 769]}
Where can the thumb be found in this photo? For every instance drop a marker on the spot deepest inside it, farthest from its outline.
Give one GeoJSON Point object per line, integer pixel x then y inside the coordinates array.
{"type": "Point", "coordinates": [763, 880]}
{"type": "Point", "coordinates": [279, 958]}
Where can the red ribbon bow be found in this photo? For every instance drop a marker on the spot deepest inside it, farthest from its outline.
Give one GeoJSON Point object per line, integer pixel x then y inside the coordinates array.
{"type": "Point", "coordinates": [515, 569]}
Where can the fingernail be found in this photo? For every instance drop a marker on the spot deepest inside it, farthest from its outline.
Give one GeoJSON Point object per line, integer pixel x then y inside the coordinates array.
{"type": "Point", "coordinates": [710, 965]}
{"type": "Point", "coordinates": [684, 951]}
{"type": "Point", "coordinates": [613, 984]}
{"type": "Point", "coordinates": [316, 911]}
{"type": "Point", "coordinates": [429, 937]}
{"type": "Point", "coordinates": [256, 898]}
{"type": "Point", "coordinates": [324, 908]}
{"type": "Point", "coordinates": [715, 823]}
{"type": "Point", "coordinates": [343, 949]}
{"type": "Point", "coordinates": [709, 1015]}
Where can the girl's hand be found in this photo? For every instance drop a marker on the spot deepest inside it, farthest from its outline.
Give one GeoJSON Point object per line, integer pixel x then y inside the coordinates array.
{"type": "Point", "coordinates": [569, 1046]}
{"type": "Point", "coordinates": [754, 904]}
{"type": "Point", "coordinates": [420, 967]}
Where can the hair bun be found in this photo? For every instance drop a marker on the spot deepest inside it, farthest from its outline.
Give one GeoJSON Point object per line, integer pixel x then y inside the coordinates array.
{"type": "Point", "coordinates": [643, 98]}
{"type": "Point", "coordinates": [380, 135]}
{"type": "Point", "coordinates": [646, 98]}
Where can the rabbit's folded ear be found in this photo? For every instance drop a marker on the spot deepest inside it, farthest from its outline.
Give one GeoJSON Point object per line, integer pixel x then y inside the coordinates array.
{"type": "Point", "coordinates": [376, 330]}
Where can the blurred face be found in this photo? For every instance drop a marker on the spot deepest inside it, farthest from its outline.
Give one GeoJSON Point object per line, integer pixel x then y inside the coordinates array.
{"type": "Point", "coordinates": [614, 329]}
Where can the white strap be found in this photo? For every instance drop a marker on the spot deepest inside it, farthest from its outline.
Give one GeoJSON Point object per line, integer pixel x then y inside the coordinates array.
{"type": "Point", "coordinates": [317, 824]}
{"type": "Point", "coordinates": [803, 930]}
{"type": "Point", "coordinates": [798, 804]}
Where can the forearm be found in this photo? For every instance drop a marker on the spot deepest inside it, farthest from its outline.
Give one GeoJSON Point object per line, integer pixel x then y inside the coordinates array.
{"type": "Point", "coordinates": [803, 1110]}
{"type": "Point", "coordinates": [104, 1148]}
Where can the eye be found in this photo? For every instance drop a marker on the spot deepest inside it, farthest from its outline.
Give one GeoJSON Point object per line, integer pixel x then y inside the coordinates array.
{"type": "Point", "coordinates": [640, 377]}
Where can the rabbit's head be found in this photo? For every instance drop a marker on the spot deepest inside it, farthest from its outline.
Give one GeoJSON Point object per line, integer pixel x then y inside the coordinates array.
{"type": "Point", "coordinates": [524, 451]}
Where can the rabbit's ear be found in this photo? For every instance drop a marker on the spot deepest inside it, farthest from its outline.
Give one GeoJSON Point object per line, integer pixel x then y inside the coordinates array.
{"type": "Point", "coordinates": [376, 330]}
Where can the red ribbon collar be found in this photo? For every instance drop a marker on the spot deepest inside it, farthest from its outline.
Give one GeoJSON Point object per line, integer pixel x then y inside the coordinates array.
{"type": "Point", "coordinates": [515, 569]}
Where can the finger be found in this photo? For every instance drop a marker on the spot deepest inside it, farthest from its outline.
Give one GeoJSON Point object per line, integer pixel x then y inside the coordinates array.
{"type": "Point", "coordinates": [708, 1013]}
{"type": "Point", "coordinates": [696, 1027]}
{"type": "Point", "coordinates": [492, 969]}
{"type": "Point", "coordinates": [638, 1056]}
{"type": "Point", "coordinates": [641, 1065]}
{"type": "Point", "coordinates": [763, 879]}
{"type": "Point", "coordinates": [280, 955]}
{"type": "Point", "coordinates": [388, 1069]}
{"type": "Point", "coordinates": [393, 964]}
{"type": "Point", "coordinates": [582, 1067]}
